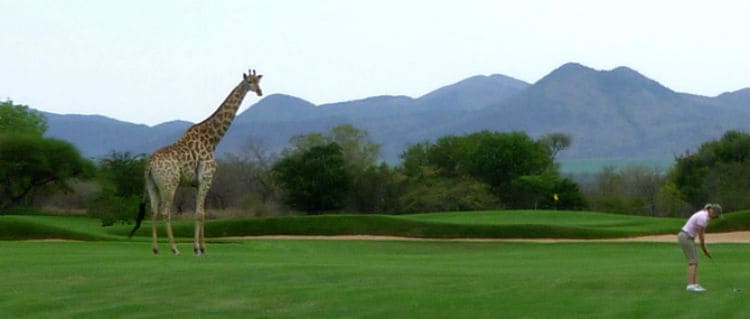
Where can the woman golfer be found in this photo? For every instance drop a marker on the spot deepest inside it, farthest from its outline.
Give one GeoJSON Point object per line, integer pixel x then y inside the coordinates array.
{"type": "Point", "coordinates": [695, 227]}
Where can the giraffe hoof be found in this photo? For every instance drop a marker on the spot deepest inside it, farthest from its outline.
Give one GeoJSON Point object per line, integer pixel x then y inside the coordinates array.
{"type": "Point", "coordinates": [155, 250]}
{"type": "Point", "coordinates": [199, 251]}
{"type": "Point", "coordinates": [175, 252]}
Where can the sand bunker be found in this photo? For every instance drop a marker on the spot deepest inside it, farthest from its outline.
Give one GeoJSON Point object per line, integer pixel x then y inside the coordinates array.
{"type": "Point", "coordinates": [732, 237]}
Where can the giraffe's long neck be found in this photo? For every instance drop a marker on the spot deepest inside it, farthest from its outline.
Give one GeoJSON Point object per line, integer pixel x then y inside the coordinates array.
{"type": "Point", "coordinates": [216, 125]}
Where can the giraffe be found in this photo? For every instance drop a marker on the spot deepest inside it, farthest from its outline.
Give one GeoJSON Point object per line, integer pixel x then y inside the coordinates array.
{"type": "Point", "coordinates": [190, 161]}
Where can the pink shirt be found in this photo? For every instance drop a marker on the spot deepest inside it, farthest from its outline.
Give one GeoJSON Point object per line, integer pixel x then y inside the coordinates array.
{"type": "Point", "coordinates": [696, 222]}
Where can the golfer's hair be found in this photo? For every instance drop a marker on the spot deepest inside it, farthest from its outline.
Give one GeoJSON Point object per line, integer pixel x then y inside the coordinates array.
{"type": "Point", "coordinates": [716, 208]}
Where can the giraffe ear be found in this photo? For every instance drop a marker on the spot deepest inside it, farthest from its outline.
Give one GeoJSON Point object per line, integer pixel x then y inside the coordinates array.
{"type": "Point", "coordinates": [244, 76]}
{"type": "Point", "coordinates": [260, 76]}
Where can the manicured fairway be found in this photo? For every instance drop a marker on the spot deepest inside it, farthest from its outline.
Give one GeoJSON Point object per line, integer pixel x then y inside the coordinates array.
{"type": "Point", "coordinates": [368, 279]}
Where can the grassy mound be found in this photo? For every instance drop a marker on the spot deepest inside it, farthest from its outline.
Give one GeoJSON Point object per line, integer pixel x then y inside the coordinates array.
{"type": "Point", "coordinates": [487, 224]}
{"type": "Point", "coordinates": [736, 221]}
{"type": "Point", "coordinates": [48, 227]}
{"type": "Point", "coordinates": [490, 224]}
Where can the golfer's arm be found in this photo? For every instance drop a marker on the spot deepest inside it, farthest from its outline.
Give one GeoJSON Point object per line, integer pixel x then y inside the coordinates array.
{"type": "Point", "coordinates": [702, 237]}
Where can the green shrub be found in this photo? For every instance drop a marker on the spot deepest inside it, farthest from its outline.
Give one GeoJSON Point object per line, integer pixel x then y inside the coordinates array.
{"type": "Point", "coordinates": [110, 208]}
{"type": "Point", "coordinates": [442, 194]}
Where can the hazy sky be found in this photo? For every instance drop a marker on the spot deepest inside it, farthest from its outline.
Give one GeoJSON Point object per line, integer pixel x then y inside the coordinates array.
{"type": "Point", "coordinates": [155, 61]}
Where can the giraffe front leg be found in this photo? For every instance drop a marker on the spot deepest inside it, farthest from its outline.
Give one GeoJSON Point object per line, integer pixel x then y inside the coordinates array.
{"type": "Point", "coordinates": [165, 208]}
{"type": "Point", "coordinates": [199, 247]}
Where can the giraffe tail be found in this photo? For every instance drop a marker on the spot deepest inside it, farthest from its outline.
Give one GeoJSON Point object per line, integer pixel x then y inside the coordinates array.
{"type": "Point", "coordinates": [139, 218]}
{"type": "Point", "coordinates": [141, 207]}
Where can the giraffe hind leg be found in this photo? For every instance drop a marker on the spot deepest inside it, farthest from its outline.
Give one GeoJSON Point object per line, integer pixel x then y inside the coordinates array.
{"type": "Point", "coordinates": [164, 187]}
{"type": "Point", "coordinates": [153, 194]}
{"type": "Point", "coordinates": [170, 235]}
{"type": "Point", "coordinates": [166, 208]}
{"type": "Point", "coordinates": [205, 177]}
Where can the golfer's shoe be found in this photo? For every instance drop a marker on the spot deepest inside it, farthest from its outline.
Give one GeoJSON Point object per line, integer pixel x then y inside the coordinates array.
{"type": "Point", "coordinates": [695, 288]}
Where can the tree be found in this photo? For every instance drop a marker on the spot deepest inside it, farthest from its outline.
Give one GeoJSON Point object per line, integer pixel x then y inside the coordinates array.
{"type": "Point", "coordinates": [634, 189]}
{"type": "Point", "coordinates": [556, 142]}
{"type": "Point", "coordinates": [359, 154]}
{"type": "Point", "coordinates": [447, 194]}
{"type": "Point", "coordinates": [669, 201]}
{"type": "Point", "coordinates": [547, 191]}
{"type": "Point", "coordinates": [125, 173]}
{"type": "Point", "coordinates": [493, 157]}
{"type": "Point", "coordinates": [20, 120]}
{"type": "Point", "coordinates": [642, 185]}
{"type": "Point", "coordinates": [605, 192]}
{"type": "Point", "coordinates": [452, 154]}
{"type": "Point", "coordinates": [377, 190]}
{"type": "Point", "coordinates": [414, 159]}
{"type": "Point", "coordinates": [718, 172]}
{"type": "Point", "coordinates": [434, 179]}
{"type": "Point", "coordinates": [122, 177]}
{"type": "Point", "coordinates": [358, 149]}
{"type": "Point", "coordinates": [29, 163]}
{"type": "Point", "coordinates": [255, 153]}
{"type": "Point", "coordinates": [244, 180]}
{"type": "Point", "coordinates": [501, 158]}
{"type": "Point", "coordinates": [516, 169]}
{"type": "Point", "coordinates": [315, 180]}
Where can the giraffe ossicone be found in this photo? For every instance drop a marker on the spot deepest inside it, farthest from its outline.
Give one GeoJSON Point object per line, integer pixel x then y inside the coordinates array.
{"type": "Point", "coordinates": [190, 161]}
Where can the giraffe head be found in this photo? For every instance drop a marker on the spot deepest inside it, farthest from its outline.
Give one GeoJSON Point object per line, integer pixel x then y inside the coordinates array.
{"type": "Point", "coordinates": [252, 81]}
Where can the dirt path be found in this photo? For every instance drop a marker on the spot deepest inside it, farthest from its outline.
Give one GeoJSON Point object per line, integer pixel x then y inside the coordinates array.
{"type": "Point", "coordinates": [733, 237]}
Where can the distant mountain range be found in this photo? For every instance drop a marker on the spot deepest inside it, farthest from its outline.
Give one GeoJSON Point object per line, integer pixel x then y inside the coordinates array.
{"type": "Point", "coordinates": [614, 113]}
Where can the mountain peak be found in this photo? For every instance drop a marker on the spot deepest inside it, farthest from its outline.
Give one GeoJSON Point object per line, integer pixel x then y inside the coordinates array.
{"type": "Point", "coordinates": [620, 78]}
{"type": "Point", "coordinates": [573, 66]}
{"type": "Point", "coordinates": [175, 123]}
{"type": "Point", "coordinates": [624, 69]}
{"type": "Point", "coordinates": [568, 72]}
{"type": "Point", "coordinates": [277, 107]}
{"type": "Point", "coordinates": [282, 98]}
{"type": "Point", "coordinates": [628, 78]}
{"type": "Point", "coordinates": [577, 69]}
{"type": "Point", "coordinates": [473, 93]}
{"type": "Point", "coordinates": [626, 72]}
{"type": "Point", "coordinates": [740, 97]}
